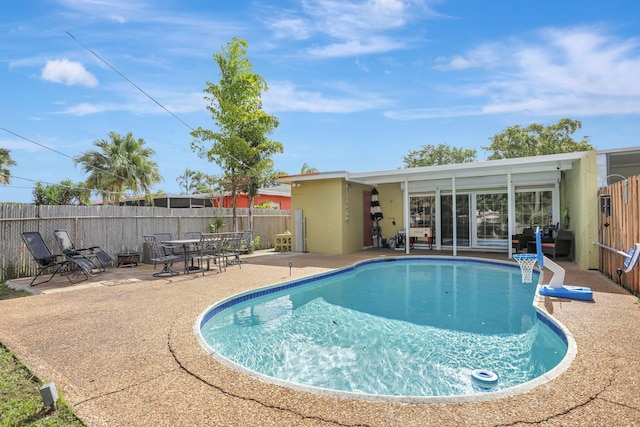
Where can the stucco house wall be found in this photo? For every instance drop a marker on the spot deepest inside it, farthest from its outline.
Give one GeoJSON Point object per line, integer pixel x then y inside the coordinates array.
{"type": "Point", "coordinates": [580, 195]}
{"type": "Point", "coordinates": [322, 202]}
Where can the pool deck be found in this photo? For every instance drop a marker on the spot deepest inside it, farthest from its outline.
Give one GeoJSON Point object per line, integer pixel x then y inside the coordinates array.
{"type": "Point", "coordinates": [122, 350]}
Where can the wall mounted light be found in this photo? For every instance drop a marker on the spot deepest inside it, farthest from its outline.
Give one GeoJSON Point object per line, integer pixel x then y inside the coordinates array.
{"type": "Point", "coordinates": [296, 184]}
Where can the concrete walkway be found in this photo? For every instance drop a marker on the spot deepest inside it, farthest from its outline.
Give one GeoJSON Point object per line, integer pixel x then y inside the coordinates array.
{"type": "Point", "coordinates": [123, 352]}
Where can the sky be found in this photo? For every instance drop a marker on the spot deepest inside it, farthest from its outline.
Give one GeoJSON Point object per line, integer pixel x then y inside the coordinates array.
{"type": "Point", "coordinates": [355, 85]}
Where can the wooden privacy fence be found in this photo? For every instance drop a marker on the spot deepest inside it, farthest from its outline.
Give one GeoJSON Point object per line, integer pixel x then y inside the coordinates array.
{"type": "Point", "coordinates": [619, 228]}
{"type": "Point", "coordinates": [117, 228]}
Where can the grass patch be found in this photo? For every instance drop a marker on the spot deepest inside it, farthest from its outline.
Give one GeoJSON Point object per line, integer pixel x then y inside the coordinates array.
{"type": "Point", "coordinates": [20, 401]}
{"type": "Point", "coordinates": [8, 293]}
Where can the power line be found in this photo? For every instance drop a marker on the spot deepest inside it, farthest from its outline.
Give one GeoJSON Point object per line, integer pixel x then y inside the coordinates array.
{"type": "Point", "coordinates": [135, 85]}
{"type": "Point", "coordinates": [36, 143]}
{"type": "Point", "coordinates": [107, 171]}
{"type": "Point", "coordinates": [58, 185]}
{"type": "Point", "coordinates": [126, 79]}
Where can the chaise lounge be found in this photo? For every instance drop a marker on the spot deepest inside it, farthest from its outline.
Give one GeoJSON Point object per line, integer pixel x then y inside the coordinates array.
{"type": "Point", "coordinates": [71, 266]}
{"type": "Point", "coordinates": [94, 253]}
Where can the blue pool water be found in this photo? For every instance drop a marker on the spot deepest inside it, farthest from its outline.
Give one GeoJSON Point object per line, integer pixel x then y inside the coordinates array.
{"type": "Point", "coordinates": [409, 327]}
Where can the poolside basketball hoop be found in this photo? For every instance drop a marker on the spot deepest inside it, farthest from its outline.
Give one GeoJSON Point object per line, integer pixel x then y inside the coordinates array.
{"type": "Point", "coordinates": [526, 262]}
{"type": "Point", "coordinates": [556, 286]}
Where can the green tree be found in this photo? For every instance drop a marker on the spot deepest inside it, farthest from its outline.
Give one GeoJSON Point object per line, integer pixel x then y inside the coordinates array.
{"type": "Point", "coordinates": [537, 140]}
{"type": "Point", "coordinates": [196, 182]}
{"type": "Point", "coordinates": [308, 169]}
{"type": "Point", "coordinates": [64, 193]}
{"type": "Point", "coordinates": [123, 163]}
{"type": "Point", "coordinates": [5, 162]}
{"type": "Point", "coordinates": [443, 154]}
{"type": "Point", "coordinates": [240, 146]}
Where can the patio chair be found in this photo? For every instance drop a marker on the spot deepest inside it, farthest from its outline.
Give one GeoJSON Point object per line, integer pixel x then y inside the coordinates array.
{"type": "Point", "coordinates": [209, 248]}
{"type": "Point", "coordinates": [561, 246]}
{"type": "Point", "coordinates": [192, 248]}
{"type": "Point", "coordinates": [160, 254]}
{"type": "Point", "coordinates": [70, 266]}
{"type": "Point", "coordinates": [519, 241]}
{"type": "Point", "coordinates": [94, 253]}
{"type": "Point", "coordinates": [192, 234]}
{"type": "Point", "coordinates": [168, 248]}
{"type": "Point", "coordinates": [245, 246]}
{"type": "Point", "coordinates": [231, 248]}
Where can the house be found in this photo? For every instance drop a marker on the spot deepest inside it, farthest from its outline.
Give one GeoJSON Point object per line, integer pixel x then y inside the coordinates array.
{"type": "Point", "coordinates": [276, 197]}
{"type": "Point", "coordinates": [471, 206]}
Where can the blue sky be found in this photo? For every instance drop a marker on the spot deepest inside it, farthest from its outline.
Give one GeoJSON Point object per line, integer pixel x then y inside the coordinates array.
{"type": "Point", "coordinates": [355, 85]}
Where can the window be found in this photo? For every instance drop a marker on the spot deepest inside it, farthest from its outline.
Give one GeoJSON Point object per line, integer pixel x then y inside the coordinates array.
{"type": "Point", "coordinates": [534, 209]}
{"type": "Point", "coordinates": [492, 220]}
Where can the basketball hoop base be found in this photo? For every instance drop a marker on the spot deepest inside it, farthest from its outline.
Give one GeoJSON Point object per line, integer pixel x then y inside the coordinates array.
{"type": "Point", "coordinates": [571, 292]}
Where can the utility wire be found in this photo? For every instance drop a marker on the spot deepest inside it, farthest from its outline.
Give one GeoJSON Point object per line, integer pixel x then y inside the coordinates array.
{"type": "Point", "coordinates": [56, 185]}
{"type": "Point", "coordinates": [119, 73]}
{"type": "Point", "coordinates": [107, 171]}
{"type": "Point", "coordinates": [36, 143]}
{"type": "Point", "coordinates": [126, 79]}
{"type": "Point", "coordinates": [135, 85]}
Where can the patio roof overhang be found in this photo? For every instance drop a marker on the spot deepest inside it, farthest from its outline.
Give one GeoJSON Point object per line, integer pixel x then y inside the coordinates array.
{"type": "Point", "coordinates": [523, 170]}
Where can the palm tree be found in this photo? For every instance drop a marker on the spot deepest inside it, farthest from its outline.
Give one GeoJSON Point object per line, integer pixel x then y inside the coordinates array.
{"type": "Point", "coordinates": [122, 164]}
{"type": "Point", "coordinates": [5, 162]}
{"type": "Point", "coordinates": [308, 169]}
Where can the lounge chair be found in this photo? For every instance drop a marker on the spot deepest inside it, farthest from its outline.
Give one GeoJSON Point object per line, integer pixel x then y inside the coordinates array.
{"type": "Point", "coordinates": [94, 253]}
{"type": "Point", "coordinates": [161, 253]}
{"type": "Point", "coordinates": [71, 266]}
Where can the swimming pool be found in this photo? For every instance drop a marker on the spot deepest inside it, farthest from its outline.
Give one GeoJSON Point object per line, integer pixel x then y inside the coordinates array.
{"type": "Point", "coordinates": [406, 327]}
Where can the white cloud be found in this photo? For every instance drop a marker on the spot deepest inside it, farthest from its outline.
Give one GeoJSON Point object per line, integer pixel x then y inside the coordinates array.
{"type": "Point", "coordinates": [576, 71]}
{"type": "Point", "coordinates": [84, 108]}
{"type": "Point", "coordinates": [134, 103]}
{"type": "Point", "coordinates": [68, 72]}
{"type": "Point", "coordinates": [287, 97]}
{"type": "Point", "coordinates": [356, 47]}
{"type": "Point", "coordinates": [347, 28]}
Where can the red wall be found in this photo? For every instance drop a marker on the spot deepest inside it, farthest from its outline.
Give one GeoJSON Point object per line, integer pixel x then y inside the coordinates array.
{"type": "Point", "coordinates": [242, 201]}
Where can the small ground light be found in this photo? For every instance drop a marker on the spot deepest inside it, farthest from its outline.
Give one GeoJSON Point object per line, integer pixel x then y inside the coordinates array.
{"type": "Point", "coordinates": [290, 265]}
{"type": "Point", "coordinates": [49, 395]}
{"type": "Point", "coordinates": [619, 271]}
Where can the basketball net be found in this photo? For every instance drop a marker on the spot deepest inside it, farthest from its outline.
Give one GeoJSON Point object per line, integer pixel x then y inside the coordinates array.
{"type": "Point", "coordinates": [526, 262]}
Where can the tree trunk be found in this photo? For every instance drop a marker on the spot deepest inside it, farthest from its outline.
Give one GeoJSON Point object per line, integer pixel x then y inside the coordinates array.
{"type": "Point", "coordinates": [250, 211]}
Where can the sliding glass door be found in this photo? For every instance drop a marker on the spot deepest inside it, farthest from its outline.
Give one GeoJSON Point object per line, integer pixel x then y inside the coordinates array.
{"type": "Point", "coordinates": [461, 220]}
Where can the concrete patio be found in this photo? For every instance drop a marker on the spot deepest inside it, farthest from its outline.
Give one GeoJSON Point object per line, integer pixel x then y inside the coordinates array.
{"type": "Point", "coordinates": [122, 350]}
